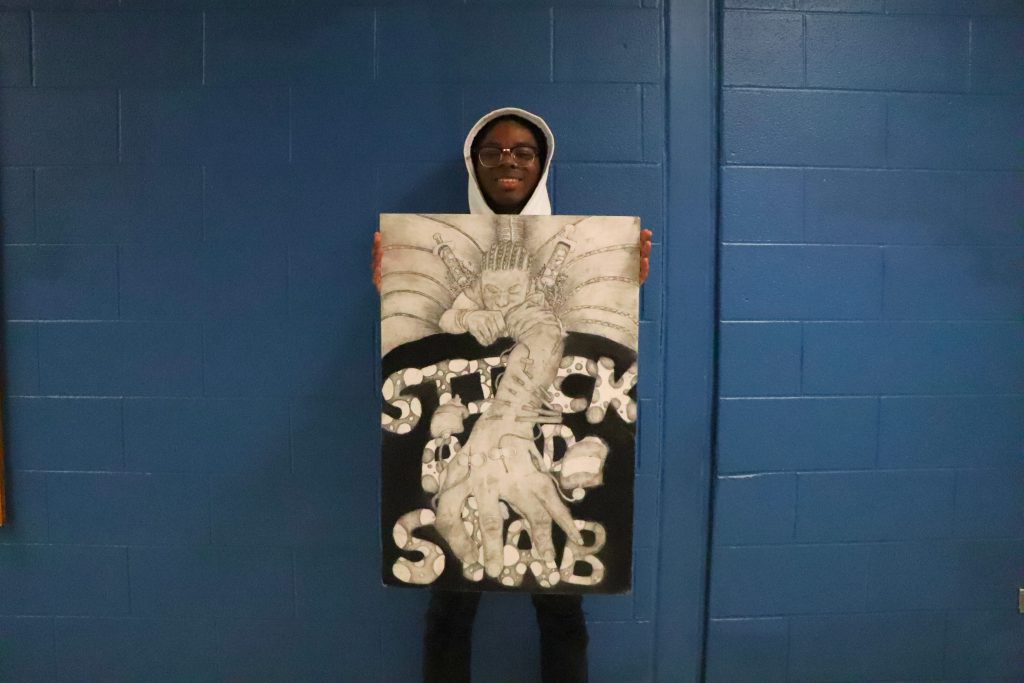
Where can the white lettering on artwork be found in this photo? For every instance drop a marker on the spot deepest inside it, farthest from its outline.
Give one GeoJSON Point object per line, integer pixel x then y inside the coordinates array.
{"type": "Point", "coordinates": [609, 392]}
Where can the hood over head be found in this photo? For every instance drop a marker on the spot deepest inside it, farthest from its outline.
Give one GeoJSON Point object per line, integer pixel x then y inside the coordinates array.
{"type": "Point", "coordinates": [539, 204]}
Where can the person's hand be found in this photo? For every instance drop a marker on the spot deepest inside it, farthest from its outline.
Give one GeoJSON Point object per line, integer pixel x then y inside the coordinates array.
{"type": "Point", "coordinates": [375, 260]}
{"type": "Point", "coordinates": [485, 326]}
{"type": "Point", "coordinates": [645, 254]}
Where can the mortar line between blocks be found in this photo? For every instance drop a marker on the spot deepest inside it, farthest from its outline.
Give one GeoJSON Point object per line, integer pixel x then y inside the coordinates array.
{"type": "Point", "coordinates": [748, 165]}
{"type": "Point", "coordinates": [35, 210]}
{"type": "Point", "coordinates": [295, 588]}
{"type": "Point", "coordinates": [945, 640]}
{"type": "Point", "coordinates": [39, 387]}
{"type": "Point", "coordinates": [551, 47]}
{"type": "Point", "coordinates": [120, 127]}
{"type": "Point", "coordinates": [796, 505]}
{"type": "Point", "coordinates": [128, 578]}
{"type": "Point", "coordinates": [374, 60]}
{"type": "Point", "coordinates": [381, 649]}
{"type": "Point", "coordinates": [881, 290]}
{"type": "Point", "coordinates": [867, 578]}
{"type": "Point", "coordinates": [803, 45]}
{"type": "Point", "coordinates": [124, 440]}
{"type": "Point", "coordinates": [885, 129]}
{"type": "Point", "coordinates": [202, 202]}
{"type": "Point", "coordinates": [801, 373]}
{"type": "Point", "coordinates": [878, 431]}
{"type": "Point", "coordinates": [832, 89]}
{"type": "Point", "coordinates": [887, 12]}
{"type": "Point", "coordinates": [53, 642]}
{"type": "Point", "coordinates": [803, 203]}
{"type": "Point", "coordinates": [789, 647]}
{"type": "Point", "coordinates": [202, 357]}
{"type": "Point", "coordinates": [46, 498]}
{"type": "Point", "coordinates": [202, 75]}
{"type": "Point", "coordinates": [970, 54]}
{"type": "Point", "coordinates": [846, 613]}
{"type": "Point", "coordinates": [291, 443]}
{"type": "Point", "coordinates": [32, 48]}
{"type": "Point", "coordinates": [956, 494]}
{"type": "Point", "coordinates": [642, 128]}
{"type": "Point", "coordinates": [117, 280]}
{"type": "Point", "coordinates": [209, 509]}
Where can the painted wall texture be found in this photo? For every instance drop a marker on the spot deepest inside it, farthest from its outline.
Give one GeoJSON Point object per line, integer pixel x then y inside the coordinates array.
{"type": "Point", "coordinates": [189, 190]}
{"type": "Point", "coordinates": [869, 518]}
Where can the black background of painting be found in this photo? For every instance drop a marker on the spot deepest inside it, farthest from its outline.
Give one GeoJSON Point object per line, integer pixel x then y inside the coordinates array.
{"type": "Point", "coordinates": [610, 504]}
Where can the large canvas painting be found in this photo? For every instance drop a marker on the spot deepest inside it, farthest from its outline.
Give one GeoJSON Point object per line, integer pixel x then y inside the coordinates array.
{"type": "Point", "coordinates": [509, 372]}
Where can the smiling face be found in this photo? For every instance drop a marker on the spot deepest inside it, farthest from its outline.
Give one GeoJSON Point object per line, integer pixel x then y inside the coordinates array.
{"type": "Point", "coordinates": [508, 186]}
{"type": "Point", "coordinates": [504, 289]}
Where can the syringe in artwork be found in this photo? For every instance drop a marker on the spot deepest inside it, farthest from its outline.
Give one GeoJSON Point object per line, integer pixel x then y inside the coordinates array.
{"type": "Point", "coordinates": [565, 244]}
{"type": "Point", "coordinates": [460, 274]}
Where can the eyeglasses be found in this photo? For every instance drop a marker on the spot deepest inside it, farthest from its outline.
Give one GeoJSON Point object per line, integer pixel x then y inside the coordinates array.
{"type": "Point", "coordinates": [492, 156]}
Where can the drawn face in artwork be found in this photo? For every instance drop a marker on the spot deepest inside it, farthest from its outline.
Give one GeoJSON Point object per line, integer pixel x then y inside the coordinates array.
{"type": "Point", "coordinates": [504, 289]}
{"type": "Point", "coordinates": [508, 186]}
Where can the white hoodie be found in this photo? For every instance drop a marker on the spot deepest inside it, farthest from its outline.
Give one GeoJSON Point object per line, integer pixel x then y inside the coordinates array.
{"type": "Point", "coordinates": [539, 204]}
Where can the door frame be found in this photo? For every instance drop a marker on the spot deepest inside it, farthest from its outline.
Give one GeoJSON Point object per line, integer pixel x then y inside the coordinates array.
{"type": "Point", "coordinates": [689, 336]}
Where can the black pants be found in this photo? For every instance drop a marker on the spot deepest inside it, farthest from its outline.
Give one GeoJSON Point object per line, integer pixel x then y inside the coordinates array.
{"type": "Point", "coordinates": [447, 641]}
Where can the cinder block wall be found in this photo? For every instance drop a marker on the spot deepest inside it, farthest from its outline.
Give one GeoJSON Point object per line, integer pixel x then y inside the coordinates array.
{"type": "Point", "coordinates": [189, 189]}
{"type": "Point", "coordinates": [869, 518]}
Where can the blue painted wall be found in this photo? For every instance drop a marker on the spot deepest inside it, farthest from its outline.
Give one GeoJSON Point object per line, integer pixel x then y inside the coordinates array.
{"type": "Point", "coordinates": [189, 190]}
{"type": "Point", "coordinates": [869, 516]}
{"type": "Point", "coordinates": [187, 194]}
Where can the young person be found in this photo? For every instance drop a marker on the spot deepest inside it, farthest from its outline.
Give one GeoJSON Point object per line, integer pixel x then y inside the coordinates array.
{"type": "Point", "coordinates": [508, 155]}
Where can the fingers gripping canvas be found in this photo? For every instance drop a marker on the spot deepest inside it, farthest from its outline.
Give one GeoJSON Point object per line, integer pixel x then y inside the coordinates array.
{"type": "Point", "coordinates": [509, 371]}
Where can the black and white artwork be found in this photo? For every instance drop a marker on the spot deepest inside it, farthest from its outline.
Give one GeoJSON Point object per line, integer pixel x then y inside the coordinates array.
{"type": "Point", "coordinates": [509, 373]}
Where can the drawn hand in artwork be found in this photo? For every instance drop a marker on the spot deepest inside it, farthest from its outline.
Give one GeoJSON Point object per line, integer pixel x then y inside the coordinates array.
{"type": "Point", "coordinates": [532, 312]}
{"type": "Point", "coordinates": [500, 462]}
{"type": "Point", "coordinates": [485, 326]}
{"type": "Point", "coordinates": [505, 472]}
